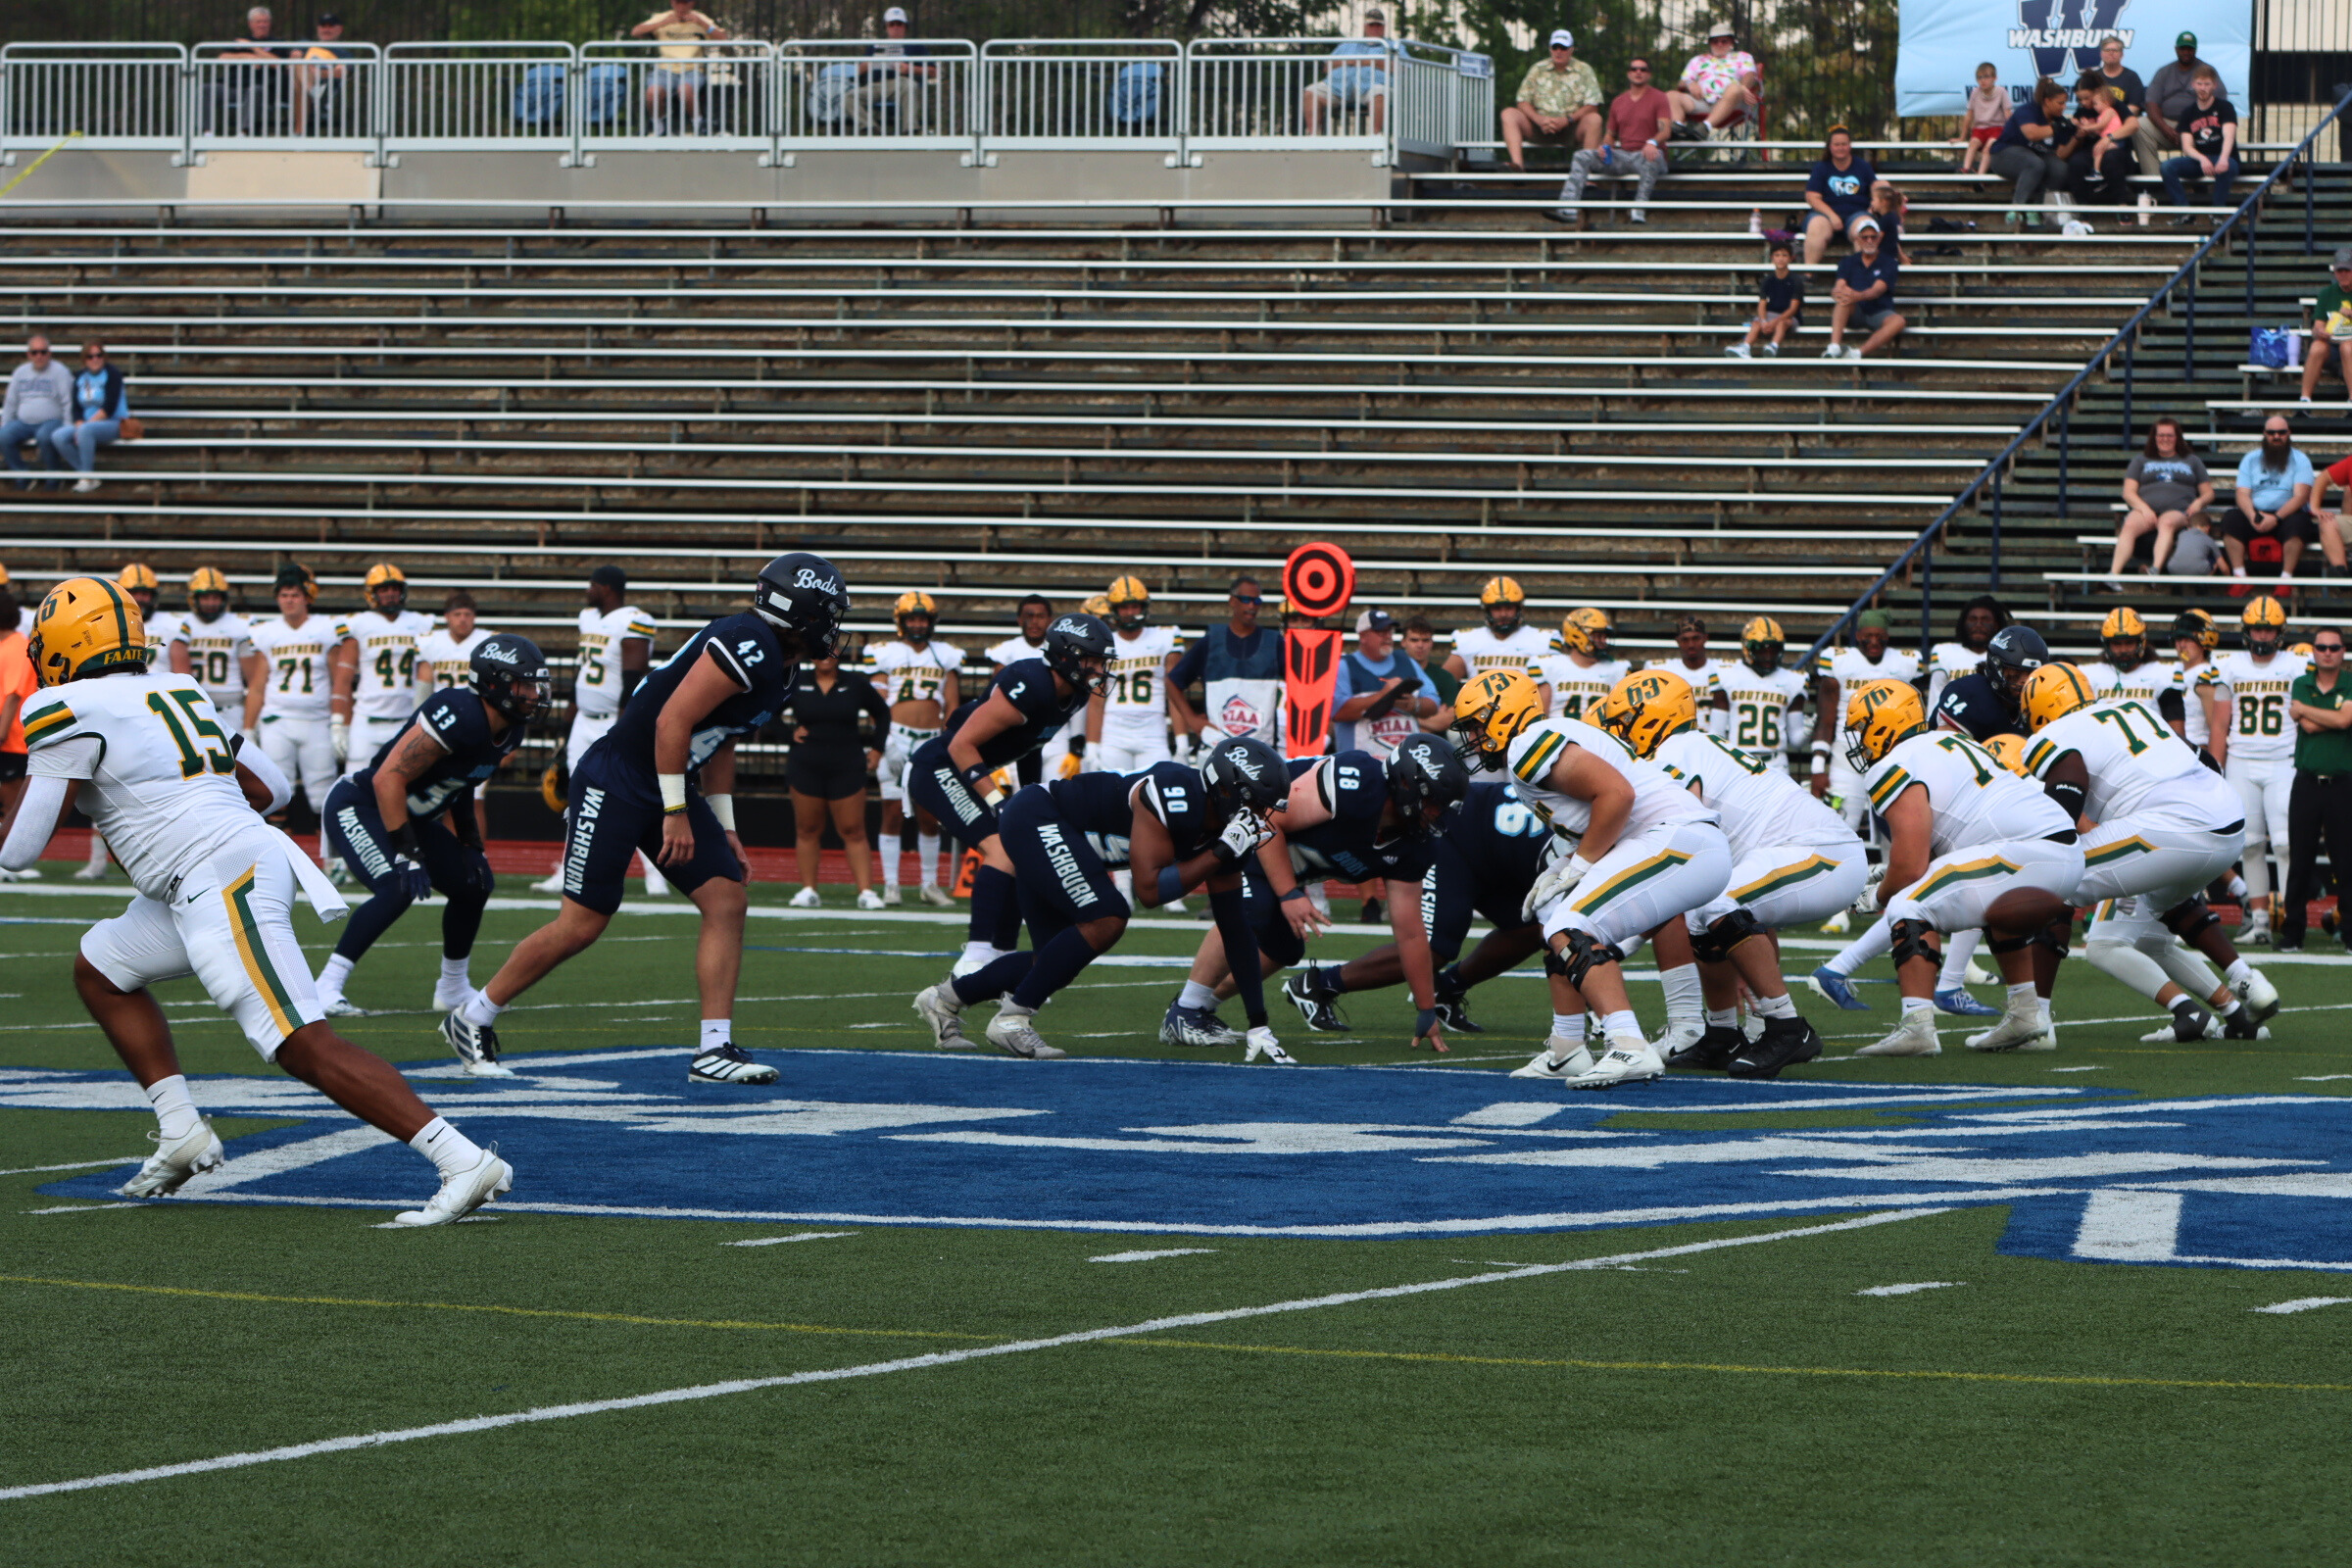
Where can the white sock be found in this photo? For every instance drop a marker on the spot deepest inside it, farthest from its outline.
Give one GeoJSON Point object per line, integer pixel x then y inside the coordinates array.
{"type": "Point", "coordinates": [982, 952]}
{"type": "Point", "coordinates": [175, 1113]}
{"type": "Point", "coordinates": [1871, 943]}
{"type": "Point", "coordinates": [97, 850]}
{"type": "Point", "coordinates": [479, 1010]}
{"type": "Point", "coordinates": [1959, 947]}
{"type": "Point", "coordinates": [450, 1149]}
{"type": "Point", "coordinates": [1919, 1007]}
{"type": "Point", "coordinates": [2237, 887]}
{"type": "Point", "coordinates": [718, 1032]}
{"type": "Point", "coordinates": [2239, 973]}
{"type": "Point", "coordinates": [892, 849]}
{"type": "Point", "coordinates": [1568, 1026]}
{"type": "Point", "coordinates": [1197, 995]}
{"type": "Point", "coordinates": [2020, 996]}
{"type": "Point", "coordinates": [926, 857]}
{"type": "Point", "coordinates": [1778, 1007]}
{"type": "Point", "coordinates": [453, 973]}
{"type": "Point", "coordinates": [1723, 1017]}
{"type": "Point", "coordinates": [1686, 1000]}
{"type": "Point", "coordinates": [2258, 886]}
{"type": "Point", "coordinates": [337, 971]}
{"type": "Point", "coordinates": [1621, 1024]}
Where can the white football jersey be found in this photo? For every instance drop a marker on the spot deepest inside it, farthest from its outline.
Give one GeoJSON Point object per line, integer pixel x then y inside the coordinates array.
{"type": "Point", "coordinates": [217, 653]}
{"type": "Point", "coordinates": [1760, 807]}
{"type": "Point", "coordinates": [2182, 678]}
{"type": "Point", "coordinates": [1540, 748]}
{"type": "Point", "coordinates": [298, 681]}
{"type": "Point", "coordinates": [1850, 669]}
{"type": "Point", "coordinates": [1947, 662]}
{"type": "Point", "coordinates": [1702, 686]}
{"type": "Point", "coordinates": [2137, 764]}
{"type": "Point", "coordinates": [1013, 649]}
{"type": "Point", "coordinates": [1973, 798]}
{"type": "Point", "coordinates": [596, 683]}
{"type": "Point", "coordinates": [2143, 682]}
{"type": "Point", "coordinates": [1526, 648]}
{"type": "Point", "coordinates": [2259, 729]}
{"type": "Point", "coordinates": [1578, 690]}
{"type": "Point", "coordinates": [162, 778]}
{"type": "Point", "coordinates": [1138, 703]}
{"type": "Point", "coordinates": [1760, 722]}
{"type": "Point", "coordinates": [162, 629]}
{"type": "Point", "coordinates": [448, 662]}
{"type": "Point", "coordinates": [904, 673]}
{"type": "Point", "coordinates": [390, 685]}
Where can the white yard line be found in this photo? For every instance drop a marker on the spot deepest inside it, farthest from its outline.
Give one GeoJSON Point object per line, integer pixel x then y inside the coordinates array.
{"type": "Point", "coordinates": [911, 1363]}
{"type": "Point", "coordinates": [80, 1164]}
{"type": "Point", "coordinates": [1911, 1289]}
{"type": "Point", "coordinates": [778, 1240]}
{"type": "Point", "coordinates": [1145, 1258]}
{"type": "Point", "coordinates": [2303, 1304]}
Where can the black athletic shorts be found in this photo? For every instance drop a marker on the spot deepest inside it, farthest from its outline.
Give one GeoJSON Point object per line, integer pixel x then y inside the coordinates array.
{"type": "Point", "coordinates": [357, 833]}
{"type": "Point", "coordinates": [614, 813]}
{"type": "Point", "coordinates": [1062, 881]}
{"type": "Point", "coordinates": [828, 772]}
{"type": "Point", "coordinates": [934, 784]}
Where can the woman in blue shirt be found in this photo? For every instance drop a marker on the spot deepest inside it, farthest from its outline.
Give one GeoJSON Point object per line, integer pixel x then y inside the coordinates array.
{"type": "Point", "coordinates": [100, 403]}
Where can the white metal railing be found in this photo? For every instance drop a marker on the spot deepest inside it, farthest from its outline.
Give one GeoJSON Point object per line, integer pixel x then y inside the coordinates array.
{"type": "Point", "coordinates": [1022, 95]}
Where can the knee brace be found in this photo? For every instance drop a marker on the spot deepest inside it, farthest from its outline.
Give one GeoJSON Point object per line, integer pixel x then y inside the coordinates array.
{"type": "Point", "coordinates": [1555, 963]}
{"type": "Point", "coordinates": [2186, 920]}
{"type": "Point", "coordinates": [2058, 936]}
{"type": "Point", "coordinates": [1913, 939]}
{"type": "Point", "coordinates": [1586, 949]}
{"type": "Point", "coordinates": [1714, 945]}
{"type": "Point", "coordinates": [1997, 946]}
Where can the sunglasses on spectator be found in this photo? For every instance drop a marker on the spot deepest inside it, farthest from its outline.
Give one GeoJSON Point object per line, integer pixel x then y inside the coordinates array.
{"type": "Point", "coordinates": [1248, 598]}
{"type": "Point", "coordinates": [2327, 648]}
{"type": "Point", "coordinates": [37, 354]}
{"type": "Point", "coordinates": [1637, 71]}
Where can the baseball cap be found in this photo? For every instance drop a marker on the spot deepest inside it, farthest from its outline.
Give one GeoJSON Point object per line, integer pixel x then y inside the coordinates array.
{"type": "Point", "coordinates": [1722, 29]}
{"type": "Point", "coordinates": [895, 14]}
{"type": "Point", "coordinates": [609, 577]}
{"type": "Point", "coordinates": [1874, 620]}
{"type": "Point", "coordinates": [1562, 38]}
{"type": "Point", "coordinates": [2342, 258]}
{"type": "Point", "coordinates": [1870, 224]}
{"type": "Point", "coordinates": [2187, 40]}
{"type": "Point", "coordinates": [327, 19]}
{"type": "Point", "coordinates": [1375, 620]}
{"type": "Point", "coordinates": [1376, 14]}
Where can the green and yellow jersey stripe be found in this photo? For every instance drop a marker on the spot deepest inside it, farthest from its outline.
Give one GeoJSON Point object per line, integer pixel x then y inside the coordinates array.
{"type": "Point", "coordinates": [1883, 794]}
{"type": "Point", "coordinates": [1787, 877]}
{"type": "Point", "coordinates": [2109, 854]}
{"type": "Point", "coordinates": [1964, 871]}
{"type": "Point", "coordinates": [1632, 876]}
{"type": "Point", "coordinates": [1533, 766]}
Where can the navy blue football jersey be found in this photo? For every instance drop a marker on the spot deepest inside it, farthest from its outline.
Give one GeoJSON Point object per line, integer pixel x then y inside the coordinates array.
{"type": "Point", "coordinates": [1355, 787]}
{"type": "Point", "coordinates": [743, 645]}
{"type": "Point", "coordinates": [454, 716]}
{"type": "Point", "coordinates": [1499, 838]}
{"type": "Point", "coordinates": [1977, 706]}
{"type": "Point", "coordinates": [1029, 686]}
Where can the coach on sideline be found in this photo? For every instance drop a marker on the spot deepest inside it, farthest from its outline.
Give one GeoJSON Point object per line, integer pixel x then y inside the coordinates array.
{"type": "Point", "coordinates": [2321, 798]}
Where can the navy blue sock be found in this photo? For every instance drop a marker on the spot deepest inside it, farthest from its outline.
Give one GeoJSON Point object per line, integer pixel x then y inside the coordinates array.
{"type": "Point", "coordinates": [992, 980]}
{"type": "Point", "coordinates": [1059, 962]}
{"type": "Point", "coordinates": [996, 910]}
{"type": "Point", "coordinates": [1232, 917]}
{"type": "Point", "coordinates": [370, 921]}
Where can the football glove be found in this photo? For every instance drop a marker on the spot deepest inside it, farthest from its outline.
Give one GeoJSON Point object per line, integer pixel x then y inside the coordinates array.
{"type": "Point", "coordinates": [1556, 879]}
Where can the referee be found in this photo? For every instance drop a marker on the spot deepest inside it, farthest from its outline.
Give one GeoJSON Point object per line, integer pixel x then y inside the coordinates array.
{"type": "Point", "coordinates": [826, 771]}
{"type": "Point", "coordinates": [2321, 801]}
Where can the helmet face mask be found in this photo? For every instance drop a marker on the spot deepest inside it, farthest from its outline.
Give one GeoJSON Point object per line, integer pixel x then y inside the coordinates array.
{"type": "Point", "coordinates": [386, 589]}
{"type": "Point", "coordinates": [1243, 775]}
{"type": "Point", "coordinates": [1504, 604]}
{"type": "Point", "coordinates": [916, 615]}
{"type": "Point", "coordinates": [2264, 625]}
{"type": "Point", "coordinates": [1078, 650]}
{"type": "Point", "coordinates": [1490, 713]}
{"type": "Point", "coordinates": [1130, 604]}
{"type": "Point", "coordinates": [510, 675]}
{"type": "Point", "coordinates": [2123, 637]}
{"type": "Point", "coordinates": [1879, 715]}
{"type": "Point", "coordinates": [1427, 780]}
{"type": "Point", "coordinates": [802, 596]}
{"type": "Point", "coordinates": [2014, 654]}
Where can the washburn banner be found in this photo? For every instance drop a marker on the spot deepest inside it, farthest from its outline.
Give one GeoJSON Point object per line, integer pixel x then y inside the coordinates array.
{"type": "Point", "coordinates": [1943, 41]}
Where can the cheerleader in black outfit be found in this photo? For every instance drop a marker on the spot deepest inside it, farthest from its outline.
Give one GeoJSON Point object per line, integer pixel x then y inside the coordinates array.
{"type": "Point", "coordinates": [827, 768]}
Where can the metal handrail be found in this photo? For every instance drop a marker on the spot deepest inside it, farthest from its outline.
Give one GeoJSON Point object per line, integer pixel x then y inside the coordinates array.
{"type": "Point", "coordinates": [2059, 405]}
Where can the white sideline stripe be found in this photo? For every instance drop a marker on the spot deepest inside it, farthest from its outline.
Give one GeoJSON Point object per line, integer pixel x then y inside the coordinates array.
{"type": "Point", "coordinates": [912, 1363]}
{"type": "Point", "coordinates": [1145, 1258]}
{"type": "Point", "coordinates": [1911, 1289]}
{"type": "Point", "coordinates": [2303, 1304]}
{"type": "Point", "coordinates": [778, 1240]}
{"type": "Point", "coordinates": [80, 1164]}
{"type": "Point", "coordinates": [81, 1208]}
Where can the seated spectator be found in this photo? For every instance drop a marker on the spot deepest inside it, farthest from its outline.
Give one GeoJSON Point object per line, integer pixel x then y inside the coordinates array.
{"type": "Point", "coordinates": [2331, 326]}
{"type": "Point", "coordinates": [1350, 85]}
{"type": "Point", "coordinates": [1864, 296]}
{"type": "Point", "coordinates": [2166, 489]}
{"type": "Point", "coordinates": [2330, 519]}
{"type": "Point", "coordinates": [1987, 112]}
{"type": "Point", "coordinates": [1559, 103]}
{"type": "Point", "coordinates": [100, 403]}
{"type": "Point", "coordinates": [2170, 93]}
{"type": "Point", "coordinates": [250, 93]}
{"type": "Point", "coordinates": [2099, 157]}
{"type": "Point", "coordinates": [1839, 192]}
{"type": "Point", "coordinates": [2273, 501]}
{"type": "Point", "coordinates": [678, 74]}
{"type": "Point", "coordinates": [321, 106]}
{"type": "Point", "coordinates": [2027, 151]}
{"type": "Point", "coordinates": [889, 95]}
{"type": "Point", "coordinates": [1780, 301]}
{"type": "Point", "coordinates": [1641, 119]}
{"type": "Point", "coordinates": [1720, 88]}
{"type": "Point", "coordinates": [2208, 146]}
{"type": "Point", "coordinates": [39, 400]}
{"type": "Point", "coordinates": [2196, 553]}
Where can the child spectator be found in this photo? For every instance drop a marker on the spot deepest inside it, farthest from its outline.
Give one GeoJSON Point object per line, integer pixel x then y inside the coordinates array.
{"type": "Point", "coordinates": [1988, 114]}
{"type": "Point", "coordinates": [1780, 301]}
{"type": "Point", "coordinates": [1889, 205]}
{"type": "Point", "coordinates": [2101, 157]}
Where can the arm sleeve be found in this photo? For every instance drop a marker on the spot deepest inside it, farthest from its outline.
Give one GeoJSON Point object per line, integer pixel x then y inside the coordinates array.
{"type": "Point", "coordinates": [2170, 703]}
{"type": "Point", "coordinates": [256, 762]}
{"type": "Point", "coordinates": [37, 811]}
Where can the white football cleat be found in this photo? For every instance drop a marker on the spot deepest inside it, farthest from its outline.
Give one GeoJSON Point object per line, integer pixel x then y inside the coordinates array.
{"type": "Point", "coordinates": [937, 1006]}
{"type": "Point", "coordinates": [728, 1064]}
{"type": "Point", "coordinates": [1678, 1036]}
{"type": "Point", "coordinates": [91, 874]}
{"type": "Point", "coordinates": [1263, 1043]}
{"type": "Point", "coordinates": [1915, 1036]}
{"type": "Point", "coordinates": [1836, 924]}
{"type": "Point", "coordinates": [474, 1044]}
{"type": "Point", "coordinates": [893, 897]}
{"type": "Point", "coordinates": [339, 1007]}
{"type": "Point", "coordinates": [937, 898]}
{"type": "Point", "coordinates": [868, 898]}
{"type": "Point", "coordinates": [173, 1163]}
{"type": "Point", "coordinates": [549, 883]}
{"type": "Point", "coordinates": [806, 898]}
{"type": "Point", "coordinates": [2260, 997]}
{"type": "Point", "coordinates": [1979, 975]}
{"type": "Point", "coordinates": [1630, 1060]}
{"type": "Point", "coordinates": [2025, 1029]}
{"type": "Point", "coordinates": [461, 1195]}
{"type": "Point", "coordinates": [1574, 1063]}
{"type": "Point", "coordinates": [1011, 1031]}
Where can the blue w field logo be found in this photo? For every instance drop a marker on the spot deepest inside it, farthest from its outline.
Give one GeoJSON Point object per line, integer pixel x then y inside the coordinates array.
{"type": "Point", "coordinates": [1104, 1144]}
{"type": "Point", "coordinates": [2063, 35]}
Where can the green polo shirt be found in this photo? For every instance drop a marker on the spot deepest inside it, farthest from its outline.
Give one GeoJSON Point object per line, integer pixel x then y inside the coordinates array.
{"type": "Point", "coordinates": [1445, 681]}
{"type": "Point", "coordinates": [2329, 751]}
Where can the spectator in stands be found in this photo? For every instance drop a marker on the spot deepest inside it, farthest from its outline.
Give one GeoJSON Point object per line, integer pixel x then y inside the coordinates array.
{"type": "Point", "coordinates": [1640, 121]}
{"type": "Point", "coordinates": [826, 771]}
{"type": "Point", "coordinates": [1420, 641]}
{"type": "Point", "coordinates": [2330, 519]}
{"type": "Point", "coordinates": [1559, 103]}
{"type": "Point", "coordinates": [1350, 85]}
{"type": "Point", "coordinates": [1719, 88]}
{"type": "Point", "coordinates": [39, 400]}
{"type": "Point", "coordinates": [2027, 151]}
{"type": "Point", "coordinates": [2208, 146]}
{"type": "Point", "coordinates": [101, 404]}
{"type": "Point", "coordinates": [1889, 207]}
{"type": "Point", "coordinates": [677, 74]}
{"type": "Point", "coordinates": [1839, 192]}
{"type": "Point", "coordinates": [2166, 489]}
{"type": "Point", "coordinates": [1780, 301]}
{"type": "Point", "coordinates": [2320, 800]}
{"type": "Point", "coordinates": [251, 92]}
{"type": "Point", "coordinates": [2331, 326]}
{"type": "Point", "coordinates": [2125, 91]}
{"type": "Point", "coordinates": [1987, 112]}
{"type": "Point", "coordinates": [2099, 158]}
{"type": "Point", "coordinates": [2273, 500]}
{"type": "Point", "coordinates": [1864, 296]}
{"type": "Point", "coordinates": [320, 103]}
{"type": "Point", "coordinates": [2171, 92]}
{"type": "Point", "coordinates": [890, 95]}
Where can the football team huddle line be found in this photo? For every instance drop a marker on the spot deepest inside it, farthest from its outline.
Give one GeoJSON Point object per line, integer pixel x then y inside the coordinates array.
{"type": "Point", "coordinates": [1617, 821]}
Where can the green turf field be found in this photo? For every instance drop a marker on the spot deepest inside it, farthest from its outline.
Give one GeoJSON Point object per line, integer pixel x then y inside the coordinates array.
{"type": "Point", "coordinates": [1721, 1390]}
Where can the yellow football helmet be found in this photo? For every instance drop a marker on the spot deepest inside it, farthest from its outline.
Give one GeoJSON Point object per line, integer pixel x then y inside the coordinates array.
{"type": "Point", "coordinates": [207, 580]}
{"type": "Point", "coordinates": [2051, 693]}
{"type": "Point", "coordinates": [2197, 626]}
{"type": "Point", "coordinates": [1877, 714]}
{"type": "Point", "coordinates": [1128, 593]}
{"type": "Point", "coordinates": [2010, 749]}
{"type": "Point", "coordinates": [2264, 624]}
{"type": "Point", "coordinates": [1762, 642]}
{"type": "Point", "coordinates": [137, 575]}
{"type": "Point", "coordinates": [2125, 637]}
{"type": "Point", "coordinates": [1586, 631]}
{"type": "Point", "coordinates": [1504, 602]}
{"type": "Point", "coordinates": [1645, 708]}
{"type": "Point", "coordinates": [1098, 606]}
{"type": "Point", "coordinates": [383, 576]}
{"type": "Point", "coordinates": [2301, 650]}
{"type": "Point", "coordinates": [85, 627]}
{"type": "Point", "coordinates": [1490, 713]}
{"type": "Point", "coordinates": [915, 601]}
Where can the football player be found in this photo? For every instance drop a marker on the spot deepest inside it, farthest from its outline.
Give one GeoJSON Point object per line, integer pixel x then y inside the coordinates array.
{"type": "Point", "coordinates": [916, 677]}
{"type": "Point", "coordinates": [1964, 655]}
{"type": "Point", "coordinates": [1642, 852]}
{"type": "Point", "coordinates": [410, 822]}
{"type": "Point", "coordinates": [1055, 759]}
{"type": "Point", "coordinates": [1582, 667]}
{"type": "Point", "coordinates": [138, 581]}
{"type": "Point", "coordinates": [288, 707]}
{"type": "Point", "coordinates": [1969, 846]}
{"type": "Point", "coordinates": [1794, 861]}
{"type": "Point", "coordinates": [660, 782]}
{"type": "Point", "coordinates": [1505, 642]}
{"type": "Point", "coordinates": [145, 758]}
{"type": "Point", "coordinates": [446, 656]}
{"type": "Point", "coordinates": [2254, 740]}
{"type": "Point", "coordinates": [1760, 701]}
{"type": "Point", "coordinates": [214, 645]}
{"type": "Point", "coordinates": [1127, 725]}
{"type": "Point", "coordinates": [2130, 669]}
{"type": "Point", "coordinates": [2159, 825]}
{"type": "Point", "coordinates": [2194, 638]}
{"type": "Point", "coordinates": [1173, 827]}
{"type": "Point", "coordinates": [1840, 670]}
{"type": "Point", "coordinates": [379, 671]}
{"type": "Point", "coordinates": [615, 649]}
